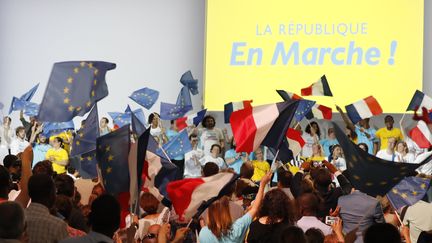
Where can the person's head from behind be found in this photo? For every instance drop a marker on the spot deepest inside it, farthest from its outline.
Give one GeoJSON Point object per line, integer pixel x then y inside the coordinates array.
{"type": "Point", "coordinates": [9, 161]}
{"type": "Point", "coordinates": [152, 234]}
{"type": "Point", "coordinates": [292, 234]}
{"type": "Point", "coordinates": [215, 150]}
{"type": "Point", "coordinates": [314, 235]}
{"type": "Point", "coordinates": [149, 203]}
{"type": "Point", "coordinates": [104, 122]}
{"type": "Point", "coordinates": [57, 143]}
{"type": "Point", "coordinates": [246, 170]}
{"type": "Point", "coordinates": [208, 122]}
{"type": "Point", "coordinates": [308, 204]}
{"type": "Point", "coordinates": [104, 217]}
{"type": "Point", "coordinates": [42, 190]}
{"type": "Point", "coordinates": [5, 182]}
{"type": "Point", "coordinates": [43, 167]}
{"type": "Point", "coordinates": [210, 169]}
{"type": "Point", "coordinates": [20, 132]}
{"type": "Point", "coordinates": [277, 208]}
{"type": "Point", "coordinates": [12, 222]}
{"type": "Point", "coordinates": [284, 178]}
{"type": "Point", "coordinates": [389, 121]}
{"type": "Point", "coordinates": [381, 232]}
{"type": "Point", "coordinates": [363, 147]}
{"type": "Point", "coordinates": [65, 185]}
{"type": "Point", "coordinates": [322, 179]}
{"type": "Point", "coordinates": [219, 217]}
{"type": "Point", "coordinates": [64, 205]}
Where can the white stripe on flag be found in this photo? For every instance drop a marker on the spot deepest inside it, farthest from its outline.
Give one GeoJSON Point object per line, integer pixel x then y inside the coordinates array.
{"type": "Point", "coordinates": [362, 109]}
{"type": "Point", "coordinates": [294, 146]}
{"type": "Point", "coordinates": [264, 117]}
{"type": "Point", "coordinates": [426, 102]}
{"type": "Point", "coordinates": [317, 88]}
{"type": "Point", "coordinates": [317, 113]}
{"type": "Point", "coordinates": [210, 188]}
{"type": "Point", "coordinates": [424, 129]}
{"type": "Point", "coordinates": [237, 106]}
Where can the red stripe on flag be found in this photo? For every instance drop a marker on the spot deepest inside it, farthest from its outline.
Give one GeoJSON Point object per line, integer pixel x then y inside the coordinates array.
{"type": "Point", "coordinates": [181, 123]}
{"type": "Point", "coordinates": [306, 91]}
{"type": "Point", "coordinates": [244, 129]}
{"type": "Point", "coordinates": [373, 105]}
{"type": "Point", "coordinates": [182, 189]}
{"type": "Point", "coordinates": [295, 135]}
{"type": "Point", "coordinates": [326, 112]}
{"type": "Point", "coordinates": [420, 135]}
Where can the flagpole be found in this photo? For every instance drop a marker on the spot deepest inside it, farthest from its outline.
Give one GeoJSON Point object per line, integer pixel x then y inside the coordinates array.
{"type": "Point", "coordinates": [274, 160]}
{"type": "Point", "coordinates": [166, 155]}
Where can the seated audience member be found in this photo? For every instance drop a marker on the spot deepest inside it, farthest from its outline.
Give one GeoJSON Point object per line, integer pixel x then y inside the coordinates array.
{"type": "Point", "coordinates": [284, 178]}
{"type": "Point", "coordinates": [382, 232]}
{"type": "Point", "coordinates": [388, 153]}
{"type": "Point", "coordinates": [359, 210]}
{"type": "Point", "coordinates": [308, 206]}
{"type": "Point", "coordinates": [214, 157]}
{"type": "Point", "coordinates": [276, 212]}
{"type": "Point", "coordinates": [292, 234]}
{"type": "Point", "coordinates": [104, 220]}
{"type": "Point", "coordinates": [314, 235]}
{"type": "Point", "coordinates": [402, 153]}
{"type": "Point", "coordinates": [58, 156]}
{"type": "Point", "coordinates": [383, 134]}
{"type": "Point", "coordinates": [337, 158]}
{"type": "Point", "coordinates": [12, 223]}
{"type": "Point", "coordinates": [210, 169]}
{"type": "Point", "coordinates": [261, 167]}
{"type": "Point", "coordinates": [220, 227]}
{"type": "Point", "coordinates": [418, 218]}
{"type": "Point", "coordinates": [192, 159]}
{"type": "Point", "coordinates": [19, 143]}
{"type": "Point", "coordinates": [41, 226]}
{"type": "Point", "coordinates": [329, 141]}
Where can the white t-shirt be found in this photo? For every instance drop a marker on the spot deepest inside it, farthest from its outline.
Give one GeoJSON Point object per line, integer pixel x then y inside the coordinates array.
{"type": "Point", "coordinates": [192, 167]}
{"type": "Point", "coordinates": [210, 137]}
{"type": "Point", "coordinates": [208, 158]}
{"type": "Point", "coordinates": [340, 163]}
{"type": "Point", "coordinates": [18, 145]}
{"type": "Point", "coordinates": [307, 148]}
{"type": "Point", "coordinates": [408, 158]}
{"type": "Point", "coordinates": [382, 154]}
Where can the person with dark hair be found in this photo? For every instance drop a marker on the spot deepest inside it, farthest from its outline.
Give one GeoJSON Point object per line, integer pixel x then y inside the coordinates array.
{"type": "Point", "coordinates": [5, 184]}
{"type": "Point", "coordinates": [44, 167]}
{"type": "Point", "coordinates": [156, 128]}
{"type": "Point", "coordinates": [13, 164]}
{"type": "Point", "coordinates": [58, 156]}
{"type": "Point", "coordinates": [6, 135]}
{"type": "Point", "coordinates": [337, 157]}
{"type": "Point", "coordinates": [12, 222]}
{"type": "Point", "coordinates": [214, 157]}
{"type": "Point", "coordinates": [314, 235]}
{"type": "Point", "coordinates": [41, 225]}
{"type": "Point", "coordinates": [276, 212]}
{"type": "Point", "coordinates": [104, 220]}
{"type": "Point", "coordinates": [308, 207]}
{"type": "Point", "coordinates": [382, 232]}
{"type": "Point", "coordinates": [384, 133]}
{"type": "Point", "coordinates": [210, 135]}
{"type": "Point", "coordinates": [64, 208]}
{"type": "Point", "coordinates": [292, 234]}
{"type": "Point", "coordinates": [40, 148]}
{"type": "Point", "coordinates": [210, 169]}
{"type": "Point", "coordinates": [284, 178]}
{"type": "Point", "coordinates": [220, 227]}
{"type": "Point", "coordinates": [19, 143]}
{"type": "Point", "coordinates": [103, 126]}
{"type": "Point", "coordinates": [311, 136]}
{"type": "Point", "coordinates": [363, 146]}
{"type": "Point", "coordinates": [329, 141]}
{"type": "Point", "coordinates": [27, 125]}
{"type": "Point", "coordinates": [245, 187]}
{"type": "Point", "coordinates": [192, 159]}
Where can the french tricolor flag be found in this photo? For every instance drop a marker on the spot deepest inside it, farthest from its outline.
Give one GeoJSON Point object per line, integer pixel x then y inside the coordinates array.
{"type": "Point", "coordinates": [193, 119]}
{"type": "Point", "coordinates": [191, 196]}
{"type": "Point", "coordinates": [421, 135]}
{"type": "Point", "coordinates": [235, 106]}
{"type": "Point", "coordinates": [265, 124]}
{"type": "Point", "coordinates": [319, 88]}
{"type": "Point", "coordinates": [420, 100]}
{"type": "Point", "coordinates": [320, 112]}
{"type": "Point", "coordinates": [286, 95]}
{"type": "Point", "coordinates": [295, 141]}
{"type": "Point", "coordinates": [362, 109]}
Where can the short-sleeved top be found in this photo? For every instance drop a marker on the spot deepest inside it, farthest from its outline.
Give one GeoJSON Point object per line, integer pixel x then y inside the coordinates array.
{"type": "Point", "coordinates": [236, 234]}
{"type": "Point", "coordinates": [208, 158]}
{"type": "Point", "coordinates": [209, 137]}
{"type": "Point", "coordinates": [326, 143]}
{"type": "Point", "coordinates": [59, 155]}
{"type": "Point", "coordinates": [362, 138]}
{"type": "Point", "coordinates": [418, 217]}
{"type": "Point", "coordinates": [237, 163]}
{"type": "Point", "coordinates": [260, 169]}
{"type": "Point", "coordinates": [383, 134]}
{"type": "Point", "coordinates": [265, 232]}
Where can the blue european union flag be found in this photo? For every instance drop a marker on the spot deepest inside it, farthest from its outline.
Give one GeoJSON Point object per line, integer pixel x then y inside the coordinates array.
{"type": "Point", "coordinates": [51, 128]}
{"type": "Point", "coordinates": [304, 107]}
{"type": "Point", "coordinates": [29, 108]}
{"type": "Point", "coordinates": [145, 97]}
{"type": "Point", "coordinates": [73, 88]}
{"type": "Point", "coordinates": [188, 81]}
{"type": "Point", "coordinates": [85, 138]}
{"type": "Point", "coordinates": [137, 127]}
{"type": "Point", "coordinates": [178, 145]}
{"type": "Point", "coordinates": [123, 119]}
{"type": "Point", "coordinates": [173, 111]}
{"type": "Point", "coordinates": [408, 191]}
{"type": "Point", "coordinates": [29, 94]}
{"type": "Point", "coordinates": [86, 165]}
{"type": "Point", "coordinates": [112, 156]}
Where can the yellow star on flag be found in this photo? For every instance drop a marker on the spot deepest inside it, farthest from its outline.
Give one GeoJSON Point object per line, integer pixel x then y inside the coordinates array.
{"type": "Point", "coordinates": [89, 158]}
{"type": "Point", "coordinates": [414, 193]}
{"type": "Point", "coordinates": [66, 100]}
{"type": "Point", "coordinates": [395, 191]}
{"type": "Point", "coordinates": [71, 108]}
{"type": "Point", "coordinates": [95, 82]}
{"type": "Point", "coordinates": [110, 158]}
{"type": "Point", "coordinates": [90, 65]}
{"type": "Point", "coordinates": [77, 143]}
{"type": "Point", "coordinates": [82, 64]}
{"type": "Point", "coordinates": [109, 170]}
{"type": "Point", "coordinates": [76, 70]}
{"type": "Point", "coordinates": [423, 186]}
{"type": "Point", "coordinates": [108, 148]}
{"type": "Point", "coordinates": [78, 108]}
{"type": "Point", "coordinates": [95, 72]}
{"type": "Point", "coordinates": [66, 90]}
{"type": "Point", "coordinates": [404, 195]}
{"type": "Point", "coordinates": [88, 104]}
{"type": "Point", "coordinates": [70, 80]}
{"type": "Point", "coordinates": [92, 93]}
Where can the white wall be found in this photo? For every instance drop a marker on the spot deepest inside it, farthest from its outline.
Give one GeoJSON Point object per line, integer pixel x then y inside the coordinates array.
{"type": "Point", "coordinates": [152, 41]}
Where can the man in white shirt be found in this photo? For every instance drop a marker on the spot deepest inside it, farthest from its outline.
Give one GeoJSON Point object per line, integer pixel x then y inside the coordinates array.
{"type": "Point", "coordinates": [19, 143]}
{"type": "Point", "coordinates": [418, 218]}
{"type": "Point", "coordinates": [389, 152]}
{"type": "Point", "coordinates": [309, 203]}
{"type": "Point", "coordinates": [192, 159]}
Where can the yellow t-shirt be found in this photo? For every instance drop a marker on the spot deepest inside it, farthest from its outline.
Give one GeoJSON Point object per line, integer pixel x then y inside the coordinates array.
{"type": "Point", "coordinates": [59, 155]}
{"type": "Point", "coordinates": [260, 169]}
{"type": "Point", "coordinates": [383, 135]}
{"type": "Point", "coordinates": [64, 136]}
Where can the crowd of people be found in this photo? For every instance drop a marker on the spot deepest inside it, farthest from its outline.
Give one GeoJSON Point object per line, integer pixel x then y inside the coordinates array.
{"type": "Point", "coordinates": [43, 198]}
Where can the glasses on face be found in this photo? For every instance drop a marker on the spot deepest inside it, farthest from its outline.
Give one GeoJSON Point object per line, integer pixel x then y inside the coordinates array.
{"type": "Point", "coordinates": [150, 236]}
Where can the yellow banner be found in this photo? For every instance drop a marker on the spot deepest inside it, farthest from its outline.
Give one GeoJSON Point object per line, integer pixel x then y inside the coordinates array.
{"type": "Point", "coordinates": [369, 47]}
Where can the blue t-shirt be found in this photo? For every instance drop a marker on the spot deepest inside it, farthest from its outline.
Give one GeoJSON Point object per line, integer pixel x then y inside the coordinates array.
{"type": "Point", "coordinates": [361, 138]}
{"type": "Point", "coordinates": [236, 164]}
{"type": "Point", "coordinates": [39, 151]}
{"type": "Point", "coordinates": [326, 143]}
{"type": "Point", "coordinates": [170, 135]}
{"type": "Point", "coordinates": [236, 234]}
